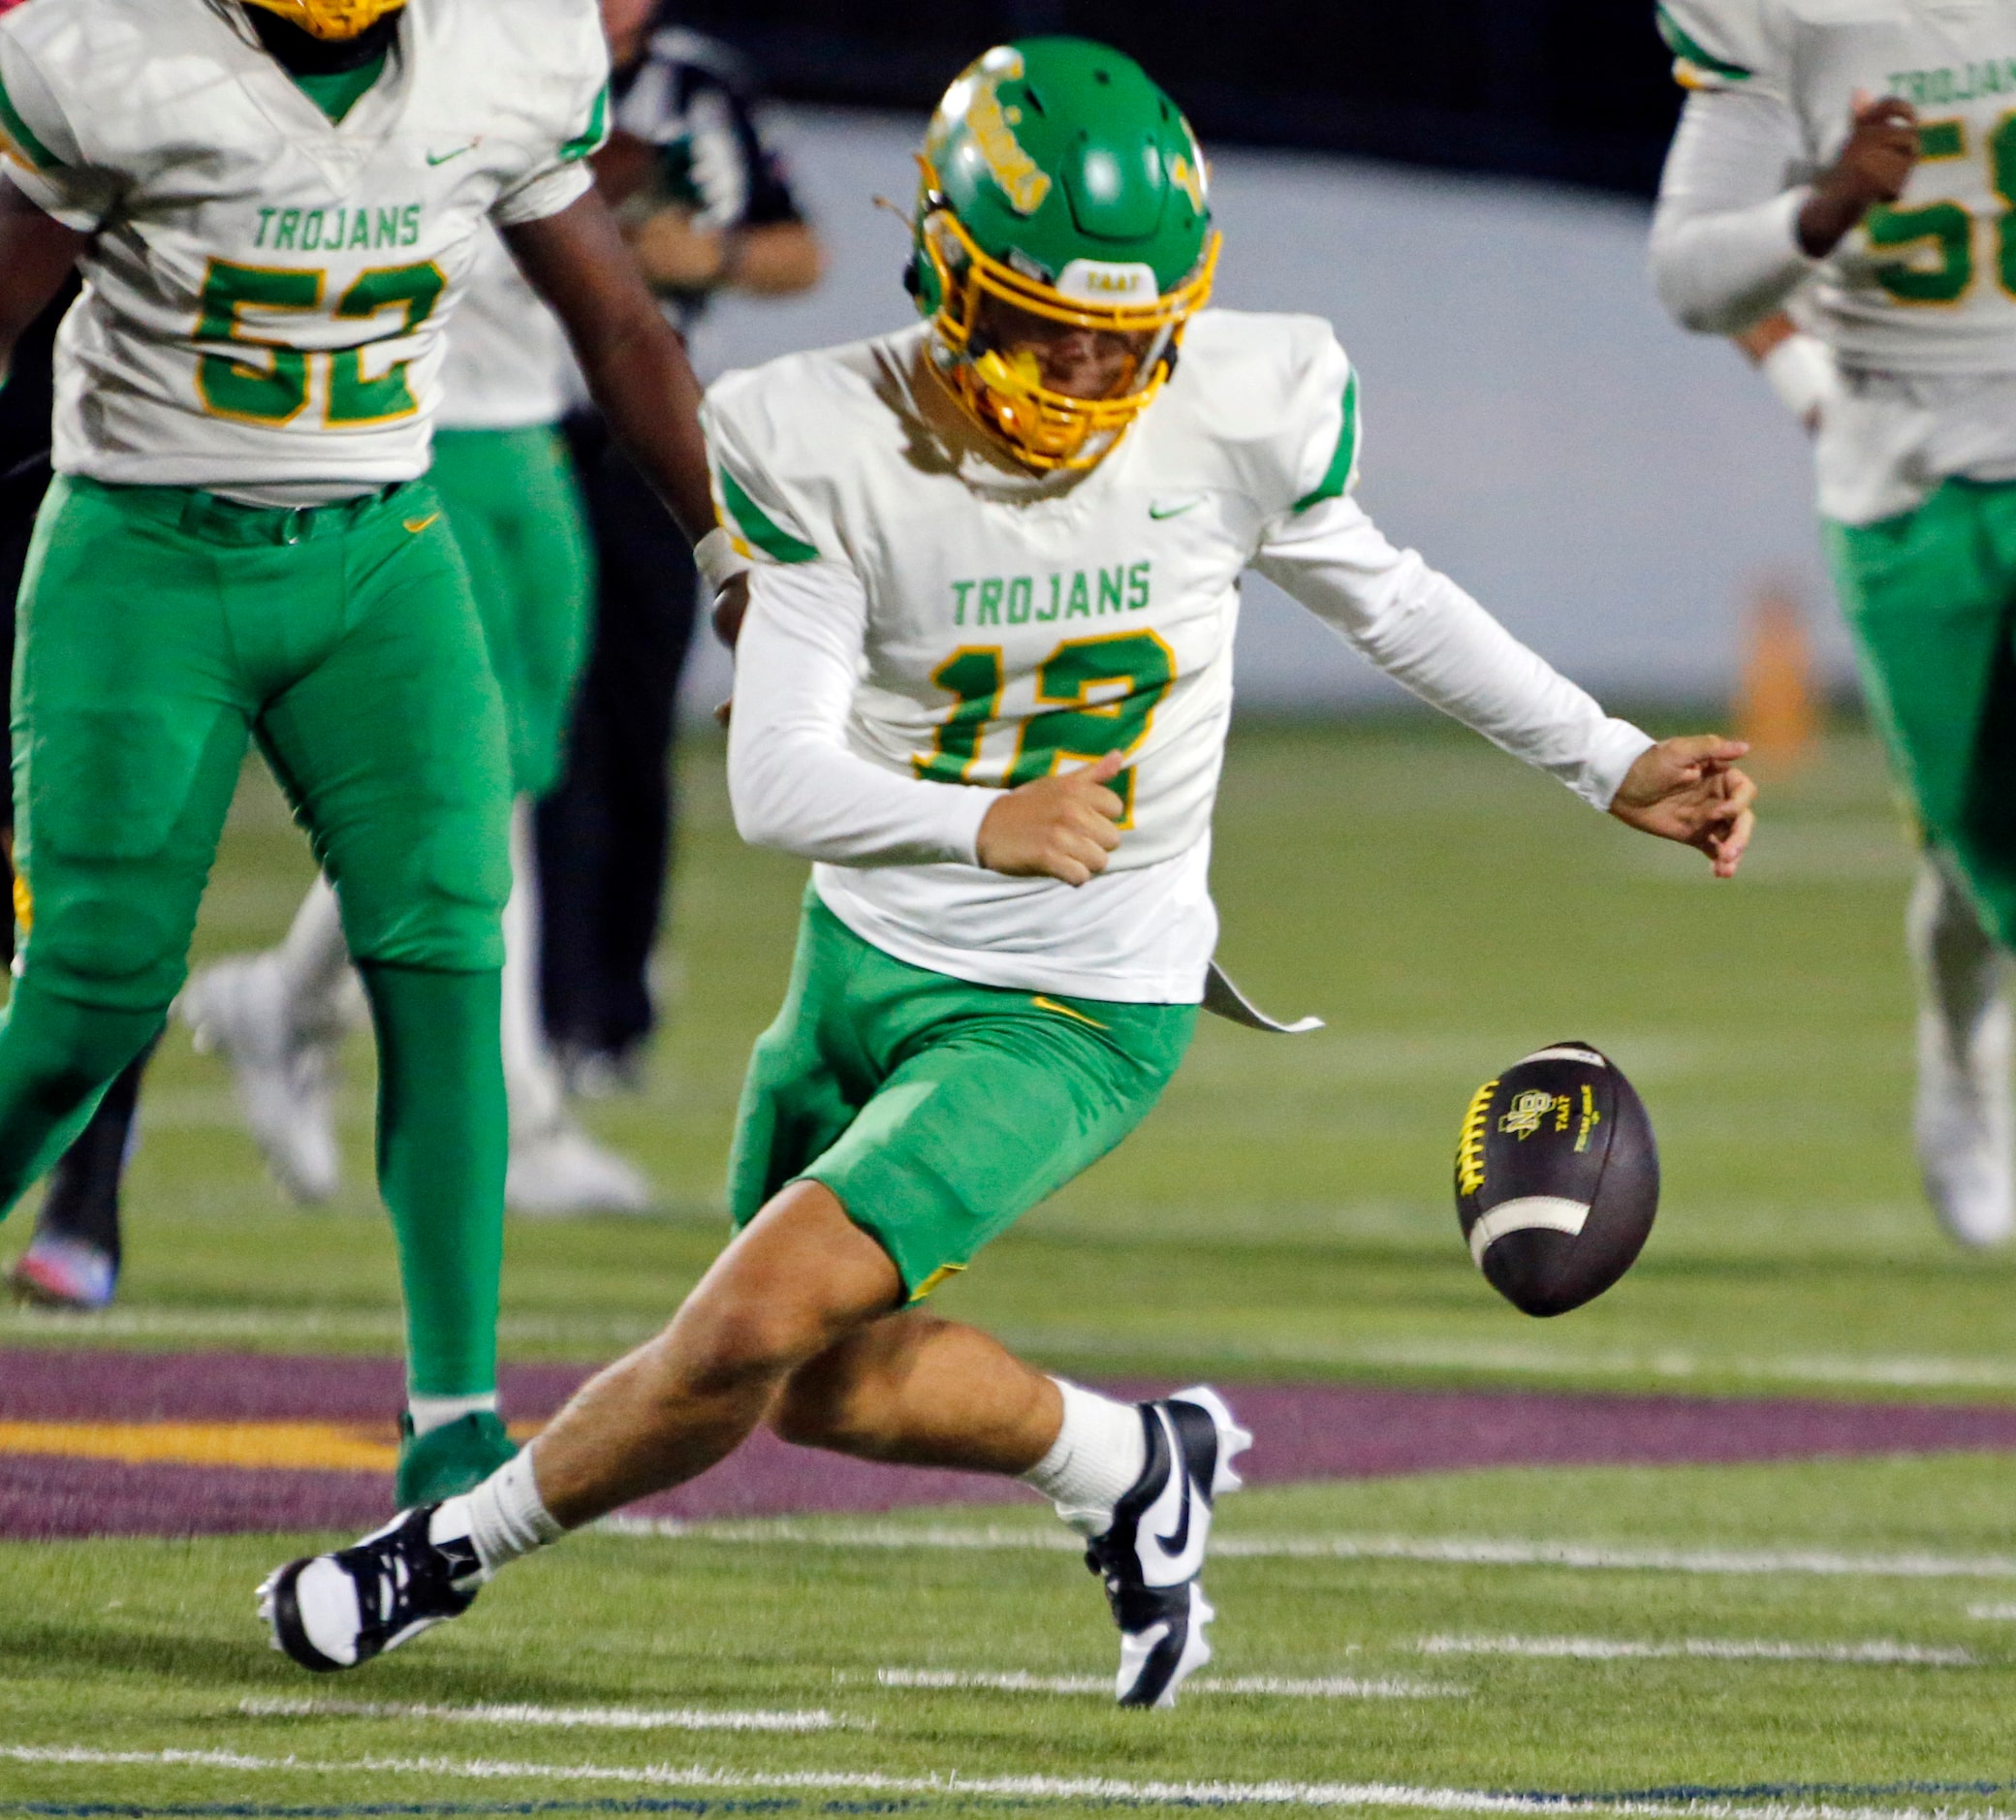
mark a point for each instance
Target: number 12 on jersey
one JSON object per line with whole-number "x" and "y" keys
{"x": 1093, "y": 695}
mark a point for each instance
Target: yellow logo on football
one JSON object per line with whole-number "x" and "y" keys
{"x": 1527, "y": 1111}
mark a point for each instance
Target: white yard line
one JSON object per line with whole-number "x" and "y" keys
{"x": 1324, "y": 1687}
{"x": 1451, "y": 1550}
{"x": 593, "y": 1718}
{"x": 1205, "y": 1794}
{"x": 2001, "y": 1614}
{"x": 1713, "y": 1648}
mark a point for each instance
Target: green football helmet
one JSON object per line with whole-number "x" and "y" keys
{"x": 1059, "y": 180}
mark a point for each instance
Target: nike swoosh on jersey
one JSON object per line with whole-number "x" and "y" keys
{"x": 1159, "y": 513}
{"x": 418, "y": 525}
{"x": 447, "y": 157}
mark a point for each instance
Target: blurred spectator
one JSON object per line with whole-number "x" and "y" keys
{"x": 708, "y": 207}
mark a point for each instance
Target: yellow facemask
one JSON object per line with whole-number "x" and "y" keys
{"x": 332, "y": 21}
{"x": 1005, "y": 393}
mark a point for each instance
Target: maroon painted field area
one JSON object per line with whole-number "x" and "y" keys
{"x": 1302, "y": 1432}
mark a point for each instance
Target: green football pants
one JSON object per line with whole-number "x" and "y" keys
{"x": 160, "y": 630}
{"x": 1930, "y": 598}
{"x": 938, "y": 1113}
{"x": 516, "y": 508}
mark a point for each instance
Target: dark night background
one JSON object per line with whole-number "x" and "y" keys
{"x": 1572, "y": 90}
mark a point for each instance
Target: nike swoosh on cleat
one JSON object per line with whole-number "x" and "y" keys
{"x": 418, "y": 525}
{"x": 1159, "y": 513}
{"x": 447, "y": 157}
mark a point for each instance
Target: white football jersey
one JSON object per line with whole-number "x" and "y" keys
{"x": 1928, "y": 286}
{"x": 1000, "y": 626}
{"x": 1112, "y": 594}
{"x": 508, "y": 365}
{"x": 267, "y": 292}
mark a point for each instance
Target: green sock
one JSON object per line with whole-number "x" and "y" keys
{"x": 441, "y": 1144}
{"x": 57, "y": 1057}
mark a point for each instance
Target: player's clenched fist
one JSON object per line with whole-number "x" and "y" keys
{"x": 1874, "y": 167}
{"x": 1061, "y": 827}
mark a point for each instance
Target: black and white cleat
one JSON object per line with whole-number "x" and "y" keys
{"x": 338, "y": 1611}
{"x": 1151, "y": 1558}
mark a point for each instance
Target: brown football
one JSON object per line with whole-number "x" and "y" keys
{"x": 1557, "y": 1178}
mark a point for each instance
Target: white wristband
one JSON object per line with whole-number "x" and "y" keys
{"x": 1801, "y": 370}
{"x": 718, "y": 561}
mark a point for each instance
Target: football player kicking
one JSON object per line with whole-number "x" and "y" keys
{"x": 275, "y": 204}
{"x": 1867, "y": 163}
{"x": 984, "y": 681}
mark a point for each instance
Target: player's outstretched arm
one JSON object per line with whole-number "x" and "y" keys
{"x": 1689, "y": 790}
{"x": 37, "y": 254}
{"x": 634, "y": 361}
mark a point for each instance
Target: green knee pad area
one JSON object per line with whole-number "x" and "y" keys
{"x": 57, "y": 1057}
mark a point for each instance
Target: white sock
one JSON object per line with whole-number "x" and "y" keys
{"x": 503, "y": 1517}
{"x": 429, "y": 1413}
{"x": 1098, "y": 1453}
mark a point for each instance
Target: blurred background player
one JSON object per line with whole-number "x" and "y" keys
{"x": 707, "y": 207}
{"x": 984, "y": 684}
{"x": 503, "y": 473}
{"x": 72, "y": 1260}
{"x": 237, "y": 544}
{"x": 1802, "y": 165}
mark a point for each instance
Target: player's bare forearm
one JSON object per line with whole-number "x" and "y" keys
{"x": 635, "y": 362}
{"x": 37, "y": 254}
{"x": 777, "y": 259}
{"x": 1689, "y": 790}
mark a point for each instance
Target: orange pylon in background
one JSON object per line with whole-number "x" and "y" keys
{"x": 1775, "y": 708}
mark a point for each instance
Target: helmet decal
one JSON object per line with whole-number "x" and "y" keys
{"x": 993, "y": 126}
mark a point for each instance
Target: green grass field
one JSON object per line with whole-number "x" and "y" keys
{"x": 1285, "y": 1214}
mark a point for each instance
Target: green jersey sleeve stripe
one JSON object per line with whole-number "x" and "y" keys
{"x": 22, "y": 135}
{"x": 770, "y": 538}
{"x": 593, "y": 134}
{"x": 1690, "y": 50}
{"x": 1338, "y": 476}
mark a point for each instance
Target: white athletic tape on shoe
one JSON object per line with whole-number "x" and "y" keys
{"x": 1548, "y": 1212}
